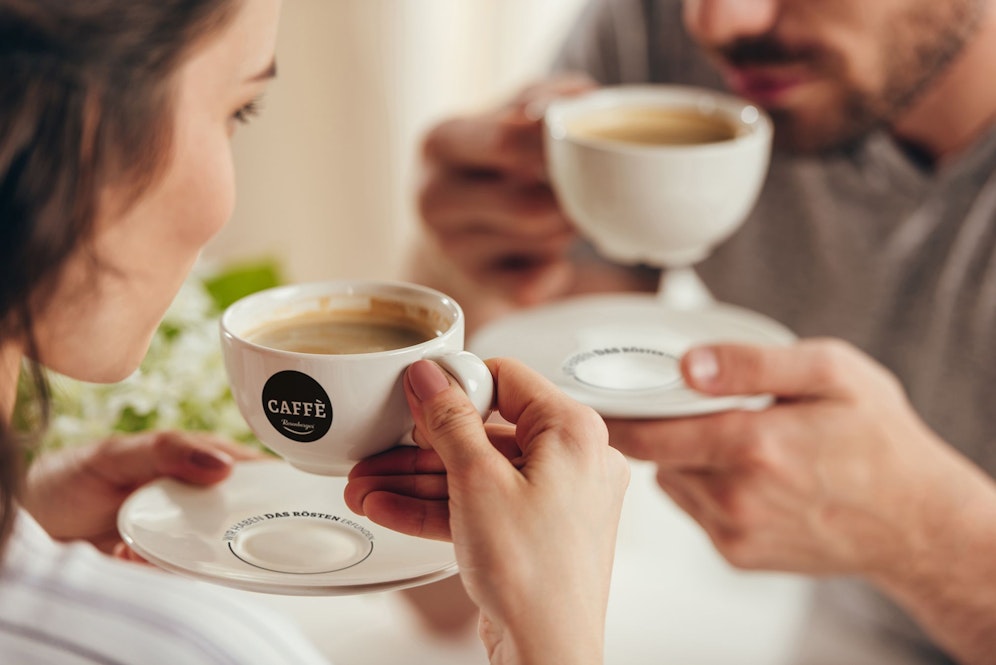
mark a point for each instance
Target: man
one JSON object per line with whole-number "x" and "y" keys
{"x": 877, "y": 226}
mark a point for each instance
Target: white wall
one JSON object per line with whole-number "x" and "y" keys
{"x": 326, "y": 176}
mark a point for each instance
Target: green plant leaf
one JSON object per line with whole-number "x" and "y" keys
{"x": 130, "y": 421}
{"x": 240, "y": 280}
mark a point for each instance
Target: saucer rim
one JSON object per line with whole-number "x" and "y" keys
{"x": 625, "y": 406}
{"x": 272, "y": 587}
{"x": 286, "y": 583}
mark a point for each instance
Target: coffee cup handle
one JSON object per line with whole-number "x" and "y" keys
{"x": 474, "y": 377}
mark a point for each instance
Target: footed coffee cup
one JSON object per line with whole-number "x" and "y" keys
{"x": 658, "y": 174}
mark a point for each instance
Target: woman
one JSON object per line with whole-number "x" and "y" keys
{"x": 115, "y": 122}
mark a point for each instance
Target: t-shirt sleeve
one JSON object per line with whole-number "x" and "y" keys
{"x": 608, "y": 42}
{"x": 635, "y": 41}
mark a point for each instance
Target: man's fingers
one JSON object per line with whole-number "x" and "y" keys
{"x": 506, "y": 140}
{"x": 675, "y": 486}
{"x": 529, "y": 285}
{"x": 497, "y": 253}
{"x": 534, "y": 100}
{"x": 810, "y": 368}
{"x": 453, "y": 201}
{"x": 705, "y": 442}
{"x": 694, "y": 492}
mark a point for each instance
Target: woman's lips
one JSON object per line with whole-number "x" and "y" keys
{"x": 767, "y": 86}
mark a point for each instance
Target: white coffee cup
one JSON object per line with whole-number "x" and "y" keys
{"x": 323, "y": 412}
{"x": 666, "y": 205}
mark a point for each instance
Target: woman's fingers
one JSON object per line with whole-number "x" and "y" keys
{"x": 408, "y": 515}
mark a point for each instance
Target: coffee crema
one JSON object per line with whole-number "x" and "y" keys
{"x": 339, "y": 332}
{"x": 652, "y": 126}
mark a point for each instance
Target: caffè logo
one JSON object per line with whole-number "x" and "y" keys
{"x": 297, "y": 406}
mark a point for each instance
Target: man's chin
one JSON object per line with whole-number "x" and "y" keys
{"x": 795, "y": 134}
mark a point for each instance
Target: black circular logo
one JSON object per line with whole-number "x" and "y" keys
{"x": 297, "y": 406}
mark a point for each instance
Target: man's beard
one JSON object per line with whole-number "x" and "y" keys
{"x": 924, "y": 41}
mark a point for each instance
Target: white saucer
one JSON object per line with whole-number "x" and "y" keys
{"x": 272, "y": 528}
{"x": 620, "y": 353}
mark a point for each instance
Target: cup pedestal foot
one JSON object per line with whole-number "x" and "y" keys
{"x": 681, "y": 288}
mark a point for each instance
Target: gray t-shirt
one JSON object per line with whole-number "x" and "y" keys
{"x": 860, "y": 244}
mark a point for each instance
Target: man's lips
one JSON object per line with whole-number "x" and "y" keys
{"x": 767, "y": 85}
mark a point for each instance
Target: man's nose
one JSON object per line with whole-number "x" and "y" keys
{"x": 720, "y": 22}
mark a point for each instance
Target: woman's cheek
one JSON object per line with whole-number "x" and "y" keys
{"x": 207, "y": 197}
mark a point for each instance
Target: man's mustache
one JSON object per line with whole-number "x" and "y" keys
{"x": 767, "y": 51}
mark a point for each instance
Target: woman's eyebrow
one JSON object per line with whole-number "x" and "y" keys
{"x": 268, "y": 73}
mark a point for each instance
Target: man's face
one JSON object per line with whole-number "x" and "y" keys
{"x": 828, "y": 71}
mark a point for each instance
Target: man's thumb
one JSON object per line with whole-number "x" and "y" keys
{"x": 811, "y": 368}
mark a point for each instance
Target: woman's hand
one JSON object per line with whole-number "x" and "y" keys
{"x": 531, "y": 507}
{"x": 75, "y": 493}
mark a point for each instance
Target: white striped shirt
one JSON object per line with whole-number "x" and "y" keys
{"x": 72, "y": 605}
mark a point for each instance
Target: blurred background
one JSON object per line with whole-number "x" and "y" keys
{"x": 326, "y": 180}
{"x": 326, "y": 174}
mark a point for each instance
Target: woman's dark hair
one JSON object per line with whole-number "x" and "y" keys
{"x": 86, "y": 92}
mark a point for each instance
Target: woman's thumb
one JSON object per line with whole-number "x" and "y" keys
{"x": 445, "y": 418}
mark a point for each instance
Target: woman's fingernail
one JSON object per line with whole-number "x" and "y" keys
{"x": 210, "y": 460}
{"x": 427, "y": 379}
{"x": 703, "y": 366}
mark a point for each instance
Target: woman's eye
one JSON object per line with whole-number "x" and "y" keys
{"x": 248, "y": 111}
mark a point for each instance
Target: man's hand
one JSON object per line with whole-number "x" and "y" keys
{"x": 839, "y": 476}
{"x": 486, "y": 202}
